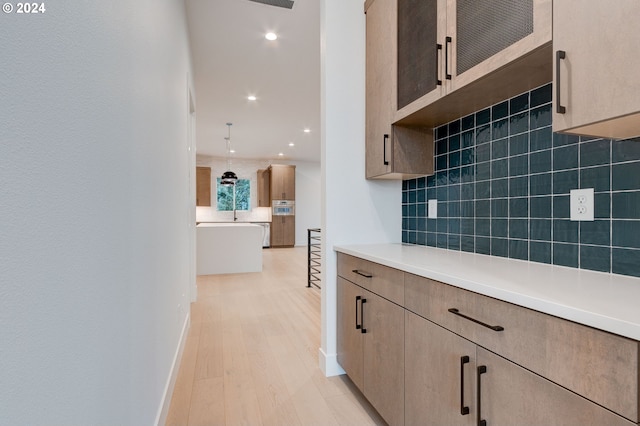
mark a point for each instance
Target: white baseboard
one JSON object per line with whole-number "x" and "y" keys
{"x": 329, "y": 364}
{"x": 163, "y": 411}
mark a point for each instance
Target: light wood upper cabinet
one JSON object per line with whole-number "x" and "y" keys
{"x": 282, "y": 182}
{"x": 264, "y": 180}
{"x": 597, "y": 81}
{"x": 392, "y": 152}
{"x": 486, "y": 52}
{"x": 203, "y": 186}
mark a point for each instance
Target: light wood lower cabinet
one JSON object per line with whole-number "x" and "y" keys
{"x": 371, "y": 348}
{"x": 283, "y": 231}
{"x": 487, "y": 363}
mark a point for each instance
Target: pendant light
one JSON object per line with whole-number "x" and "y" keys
{"x": 228, "y": 178}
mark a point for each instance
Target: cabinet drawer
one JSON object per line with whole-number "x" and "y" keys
{"x": 598, "y": 365}
{"x": 382, "y": 280}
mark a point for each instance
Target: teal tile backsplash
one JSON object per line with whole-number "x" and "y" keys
{"x": 502, "y": 182}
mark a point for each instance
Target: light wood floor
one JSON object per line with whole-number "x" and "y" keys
{"x": 251, "y": 356}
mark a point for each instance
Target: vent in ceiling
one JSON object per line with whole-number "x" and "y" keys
{"x": 287, "y": 4}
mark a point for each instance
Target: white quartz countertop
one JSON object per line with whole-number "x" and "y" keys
{"x": 605, "y": 301}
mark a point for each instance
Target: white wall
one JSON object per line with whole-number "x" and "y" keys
{"x": 354, "y": 210}
{"x": 307, "y": 191}
{"x": 94, "y": 210}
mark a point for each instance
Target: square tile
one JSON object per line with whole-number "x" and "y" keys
{"x": 500, "y": 188}
{"x": 595, "y": 258}
{"x": 500, "y": 247}
{"x": 626, "y": 205}
{"x": 442, "y": 162}
{"x": 432, "y": 239}
{"x": 499, "y": 168}
{"x": 442, "y": 225}
{"x": 500, "y": 207}
{"x": 453, "y": 242}
{"x": 442, "y": 194}
{"x": 454, "y": 193}
{"x": 625, "y": 261}
{"x": 421, "y": 225}
{"x": 595, "y": 153}
{"x": 597, "y": 232}
{"x": 597, "y": 178}
{"x": 539, "y": 252}
{"x": 625, "y": 176}
{"x": 483, "y": 134}
{"x": 442, "y": 132}
{"x": 454, "y": 209}
{"x": 499, "y": 228}
{"x": 421, "y": 196}
{"x": 625, "y": 150}
{"x": 468, "y": 122}
{"x": 540, "y": 117}
{"x": 442, "y": 178}
{"x": 540, "y": 184}
{"x": 411, "y": 196}
{"x": 468, "y": 156}
{"x": 519, "y": 165}
{"x": 519, "y": 123}
{"x": 454, "y": 159}
{"x": 454, "y": 127}
{"x": 519, "y": 186}
{"x": 442, "y": 240}
{"x": 483, "y": 208}
{"x": 467, "y": 226}
{"x": 468, "y": 173}
{"x": 565, "y": 231}
{"x": 431, "y": 181}
{"x": 602, "y": 206}
{"x": 626, "y": 233}
{"x": 562, "y": 207}
{"x": 519, "y": 144}
{"x": 483, "y": 116}
{"x": 519, "y": 228}
{"x": 467, "y": 139}
{"x": 565, "y": 158}
{"x": 467, "y": 191}
{"x": 540, "y": 161}
{"x": 467, "y": 208}
{"x": 483, "y": 245}
{"x": 540, "y": 207}
{"x": 541, "y": 139}
{"x": 454, "y": 226}
{"x": 518, "y": 207}
{"x": 441, "y": 146}
{"x": 564, "y": 182}
{"x": 467, "y": 244}
{"x": 519, "y": 249}
{"x": 483, "y": 152}
{"x": 483, "y": 189}
{"x": 421, "y": 210}
{"x": 519, "y": 103}
{"x": 541, "y": 95}
{"x": 540, "y": 229}
{"x": 500, "y": 129}
{"x": 500, "y": 110}
{"x": 483, "y": 227}
{"x": 499, "y": 148}
{"x": 454, "y": 142}
{"x": 454, "y": 175}
{"x": 483, "y": 171}
{"x": 422, "y": 182}
{"x": 565, "y": 255}
{"x": 421, "y": 238}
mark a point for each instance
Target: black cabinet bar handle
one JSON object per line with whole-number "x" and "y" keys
{"x": 463, "y": 410}
{"x": 560, "y": 54}
{"x": 438, "y": 51}
{"x": 384, "y": 150}
{"x": 362, "y": 302}
{"x": 362, "y": 273}
{"x": 481, "y": 370}
{"x": 446, "y": 58}
{"x": 357, "y": 325}
{"x": 492, "y": 327}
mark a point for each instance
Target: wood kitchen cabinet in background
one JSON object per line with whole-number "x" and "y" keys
{"x": 282, "y": 182}
{"x": 598, "y": 80}
{"x": 263, "y": 180}
{"x": 203, "y": 186}
{"x": 283, "y": 231}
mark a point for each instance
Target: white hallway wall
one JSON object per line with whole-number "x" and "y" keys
{"x": 307, "y": 188}
{"x": 94, "y": 210}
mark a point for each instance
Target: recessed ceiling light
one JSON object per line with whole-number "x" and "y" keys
{"x": 271, "y": 36}
{"x": 292, "y": 144}
{"x": 307, "y": 130}
{"x": 233, "y": 151}
{"x": 251, "y": 97}
{"x": 281, "y": 154}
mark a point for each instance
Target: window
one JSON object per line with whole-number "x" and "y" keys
{"x": 225, "y": 195}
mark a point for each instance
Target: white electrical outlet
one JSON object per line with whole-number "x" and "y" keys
{"x": 433, "y": 209}
{"x": 581, "y": 201}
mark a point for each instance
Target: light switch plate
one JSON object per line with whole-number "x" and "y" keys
{"x": 581, "y": 202}
{"x": 433, "y": 209}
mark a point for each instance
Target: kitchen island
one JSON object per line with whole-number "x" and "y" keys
{"x": 228, "y": 248}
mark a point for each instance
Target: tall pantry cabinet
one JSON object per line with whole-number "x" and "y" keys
{"x": 278, "y": 182}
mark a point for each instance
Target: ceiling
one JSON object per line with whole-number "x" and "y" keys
{"x": 232, "y": 60}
